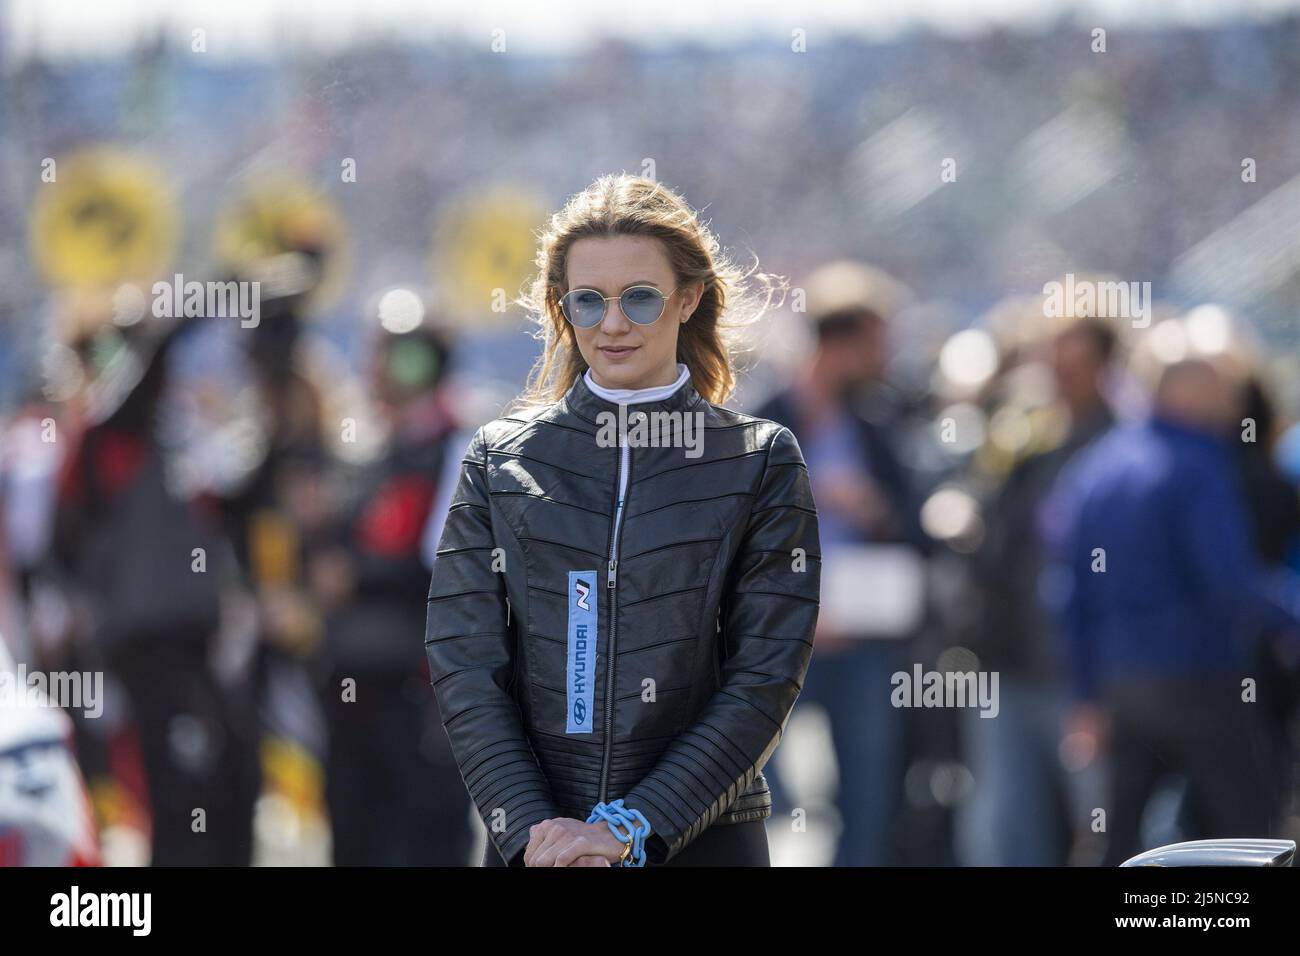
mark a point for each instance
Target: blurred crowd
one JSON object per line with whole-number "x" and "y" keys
{"x": 1104, "y": 512}
{"x": 1101, "y": 509}
{"x": 259, "y": 621}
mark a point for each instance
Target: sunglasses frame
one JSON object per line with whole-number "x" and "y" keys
{"x": 606, "y": 299}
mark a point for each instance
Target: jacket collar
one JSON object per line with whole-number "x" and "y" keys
{"x": 587, "y": 405}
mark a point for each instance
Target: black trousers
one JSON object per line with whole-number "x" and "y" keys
{"x": 198, "y": 742}
{"x": 730, "y": 844}
{"x": 1201, "y": 730}
{"x": 394, "y": 794}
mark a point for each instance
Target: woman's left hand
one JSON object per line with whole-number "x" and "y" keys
{"x": 564, "y": 842}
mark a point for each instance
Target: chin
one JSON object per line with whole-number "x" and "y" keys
{"x": 617, "y": 376}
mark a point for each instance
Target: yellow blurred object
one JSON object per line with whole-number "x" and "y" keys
{"x": 273, "y": 549}
{"x": 282, "y": 213}
{"x": 292, "y": 620}
{"x": 484, "y": 249}
{"x": 114, "y": 805}
{"x": 290, "y": 771}
{"x": 1037, "y": 430}
{"x": 107, "y": 217}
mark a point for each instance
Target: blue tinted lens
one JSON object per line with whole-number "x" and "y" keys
{"x": 584, "y": 308}
{"x": 642, "y": 304}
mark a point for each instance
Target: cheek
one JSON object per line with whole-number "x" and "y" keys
{"x": 663, "y": 334}
{"x": 582, "y": 340}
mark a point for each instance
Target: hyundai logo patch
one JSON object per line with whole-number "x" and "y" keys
{"x": 580, "y": 669}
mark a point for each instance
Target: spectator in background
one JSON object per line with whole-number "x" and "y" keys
{"x": 1018, "y": 815}
{"x": 1165, "y": 597}
{"x": 838, "y": 408}
{"x": 276, "y": 511}
{"x": 1274, "y": 507}
{"x": 393, "y": 789}
{"x": 150, "y": 568}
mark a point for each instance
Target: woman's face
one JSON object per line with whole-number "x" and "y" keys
{"x": 620, "y": 353}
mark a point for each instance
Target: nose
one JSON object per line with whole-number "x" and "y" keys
{"x": 614, "y": 321}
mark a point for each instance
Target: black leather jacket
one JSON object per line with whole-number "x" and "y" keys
{"x": 580, "y": 655}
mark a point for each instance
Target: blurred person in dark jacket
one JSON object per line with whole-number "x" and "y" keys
{"x": 1164, "y": 605}
{"x": 393, "y": 789}
{"x": 1273, "y": 503}
{"x": 149, "y": 568}
{"x": 276, "y": 508}
{"x": 1019, "y": 812}
{"x": 842, "y": 413}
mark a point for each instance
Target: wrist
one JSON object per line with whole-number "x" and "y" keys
{"x": 611, "y": 847}
{"x": 627, "y": 826}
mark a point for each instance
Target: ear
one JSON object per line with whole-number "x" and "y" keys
{"x": 690, "y": 300}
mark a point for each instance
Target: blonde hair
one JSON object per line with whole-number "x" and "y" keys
{"x": 626, "y": 205}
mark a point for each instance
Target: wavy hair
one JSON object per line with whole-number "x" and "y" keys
{"x": 626, "y": 205}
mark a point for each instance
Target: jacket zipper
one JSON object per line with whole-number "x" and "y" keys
{"x": 611, "y": 586}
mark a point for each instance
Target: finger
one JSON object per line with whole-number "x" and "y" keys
{"x": 549, "y": 847}
{"x": 532, "y": 843}
{"x": 590, "y": 860}
{"x": 571, "y": 850}
{"x": 536, "y": 836}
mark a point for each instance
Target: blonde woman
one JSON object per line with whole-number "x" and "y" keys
{"x": 624, "y": 596}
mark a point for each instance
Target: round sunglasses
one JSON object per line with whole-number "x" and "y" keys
{"x": 642, "y": 304}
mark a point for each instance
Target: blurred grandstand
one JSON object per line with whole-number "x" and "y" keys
{"x": 1128, "y": 161}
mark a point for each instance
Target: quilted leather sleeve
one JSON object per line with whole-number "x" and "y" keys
{"x": 769, "y": 615}
{"x": 471, "y": 651}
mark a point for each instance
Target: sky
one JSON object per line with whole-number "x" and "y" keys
{"x": 257, "y": 28}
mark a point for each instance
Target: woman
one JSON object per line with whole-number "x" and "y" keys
{"x": 625, "y": 593}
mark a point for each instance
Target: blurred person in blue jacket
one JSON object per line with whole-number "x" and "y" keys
{"x": 1166, "y": 597}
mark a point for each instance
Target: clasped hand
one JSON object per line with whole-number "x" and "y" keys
{"x": 563, "y": 841}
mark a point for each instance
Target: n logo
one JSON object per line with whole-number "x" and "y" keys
{"x": 584, "y": 590}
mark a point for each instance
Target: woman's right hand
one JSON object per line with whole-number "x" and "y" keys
{"x": 563, "y": 841}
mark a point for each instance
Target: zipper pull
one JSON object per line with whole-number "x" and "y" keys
{"x": 612, "y": 576}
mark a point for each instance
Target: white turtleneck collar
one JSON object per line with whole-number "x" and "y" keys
{"x": 633, "y": 396}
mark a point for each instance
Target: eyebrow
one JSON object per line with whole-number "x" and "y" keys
{"x": 630, "y": 285}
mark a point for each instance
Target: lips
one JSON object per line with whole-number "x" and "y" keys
{"x": 619, "y": 351}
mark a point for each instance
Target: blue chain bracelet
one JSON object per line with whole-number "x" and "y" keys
{"x": 635, "y": 828}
